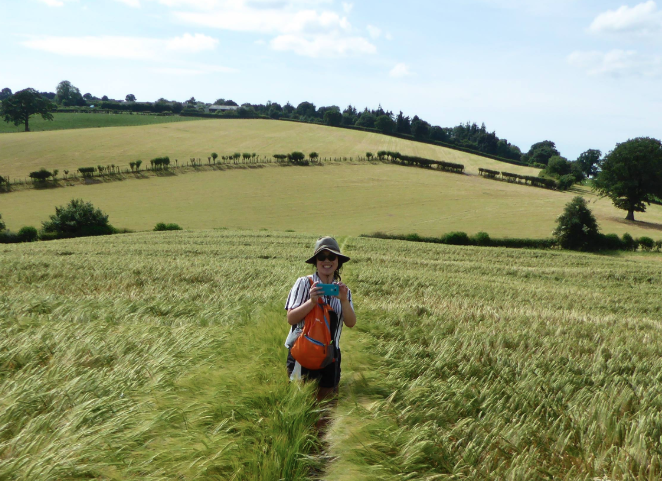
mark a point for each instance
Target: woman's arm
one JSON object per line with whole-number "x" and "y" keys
{"x": 295, "y": 316}
{"x": 348, "y": 314}
{"x": 298, "y": 314}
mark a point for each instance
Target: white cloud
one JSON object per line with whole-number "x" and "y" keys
{"x": 537, "y": 7}
{"x": 642, "y": 19}
{"x": 617, "y": 63}
{"x": 400, "y": 70}
{"x": 298, "y": 26}
{"x": 347, "y": 7}
{"x": 194, "y": 70}
{"x": 374, "y": 32}
{"x": 191, "y": 43}
{"x": 53, "y": 3}
{"x": 130, "y": 3}
{"x": 199, "y": 4}
{"x": 323, "y": 45}
{"x": 134, "y": 48}
{"x": 269, "y": 21}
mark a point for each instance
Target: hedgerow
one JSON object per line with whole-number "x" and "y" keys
{"x": 461, "y": 238}
{"x": 162, "y": 226}
{"x": 603, "y": 242}
{"x": 516, "y": 178}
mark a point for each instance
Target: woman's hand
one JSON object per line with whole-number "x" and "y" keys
{"x": 343, "y": 291}
{"x": 315, "y": 293}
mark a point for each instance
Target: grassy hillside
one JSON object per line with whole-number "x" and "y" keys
{"x": 21, "y": 154}
{"x": 357, "y": 199}
{"x": 66, "y": 121}
{"x": 159, "y": 355}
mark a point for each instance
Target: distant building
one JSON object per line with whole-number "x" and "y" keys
{"x": 221, "y": 108}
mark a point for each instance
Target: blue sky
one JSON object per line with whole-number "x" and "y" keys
{"x": 585, "y": 74}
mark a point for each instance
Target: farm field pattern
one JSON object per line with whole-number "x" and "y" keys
{"x": 66, "y": 121}
{"x": 21, "y": 154}
{"x": 360, "y": 199}
{"x": 159, "y": 356}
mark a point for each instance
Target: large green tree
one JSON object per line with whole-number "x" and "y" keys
{"x": 541, "y": 152}
{"x": 4, "y": 93}
{"x": 68, "y": 95}
{"x": 19, "y": 107}
{"x": 631, "y": 174}
{"x": 385, "y": 124}
{"x": 589, "y": 162}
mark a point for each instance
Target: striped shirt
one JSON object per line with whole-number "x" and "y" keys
{"x": 300, "y": 293}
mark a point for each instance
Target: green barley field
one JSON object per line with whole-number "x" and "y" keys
{"x": 66, "y": 121}
{"x": 155, "y": 356}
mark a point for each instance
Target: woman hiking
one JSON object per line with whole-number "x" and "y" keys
{"x": 305, "y": 294}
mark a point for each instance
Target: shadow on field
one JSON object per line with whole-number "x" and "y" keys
{"x": 45, "y": 185}
{"x": 638, "y": 223}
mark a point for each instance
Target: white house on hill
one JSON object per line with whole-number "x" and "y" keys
{"x": 222, "y": 108}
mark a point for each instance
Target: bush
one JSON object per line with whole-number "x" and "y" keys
{"x": 577, "y": 228}
{"x": 646, "y": 243}
{"x": 297, "y": 158}
{"x": 2, "y": 224}
{"x": 78, "y": 219}
{"x": 161, "y": 226}
{"x": 41, "y": 175}
{"x": 456, "y": 239}
{"x": 87, "y": 171}
{"x": 566, "y": 181}
{"x": 7, "y": 237}
{"x": 481, "y": 239}
{"x": 628, "y": 243}
{"x": 558, "y": 165}
{"x": 28, "y": 234}
{"x": 658, "y": 245}
{"x": 610, "y": 242}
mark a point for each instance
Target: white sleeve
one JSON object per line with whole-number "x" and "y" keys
{"x": 299, "y": 294}
{"x": 349, "y": 298}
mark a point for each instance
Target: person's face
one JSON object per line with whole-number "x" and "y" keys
{"x": 326, "y": 266}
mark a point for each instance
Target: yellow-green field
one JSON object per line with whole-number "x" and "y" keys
{"x": 356, "y": 199}
{"x": 155, "y": 356}
{"x": 21, "y": 154}
{"x": 66, "y": 120}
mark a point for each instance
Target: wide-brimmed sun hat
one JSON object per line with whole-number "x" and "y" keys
{"x": 328, "y": 244}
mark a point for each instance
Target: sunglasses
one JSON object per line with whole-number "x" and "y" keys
{"x": 326, "y": 257}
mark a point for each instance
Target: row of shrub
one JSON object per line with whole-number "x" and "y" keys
{"x": 457, "y": 147}
{"x": 463, "y": 239}
{"x": 606, "y": 242}
{"x": 440, "y": 164}
{"x": 417, "y": 161}
{"x": 294, "y": 158}
{"x": 528, "y": 179}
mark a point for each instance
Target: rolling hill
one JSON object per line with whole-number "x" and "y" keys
{"x": 345, "y": 197}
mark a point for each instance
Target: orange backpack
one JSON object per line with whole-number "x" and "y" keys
{"x": 314, "y": 348}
